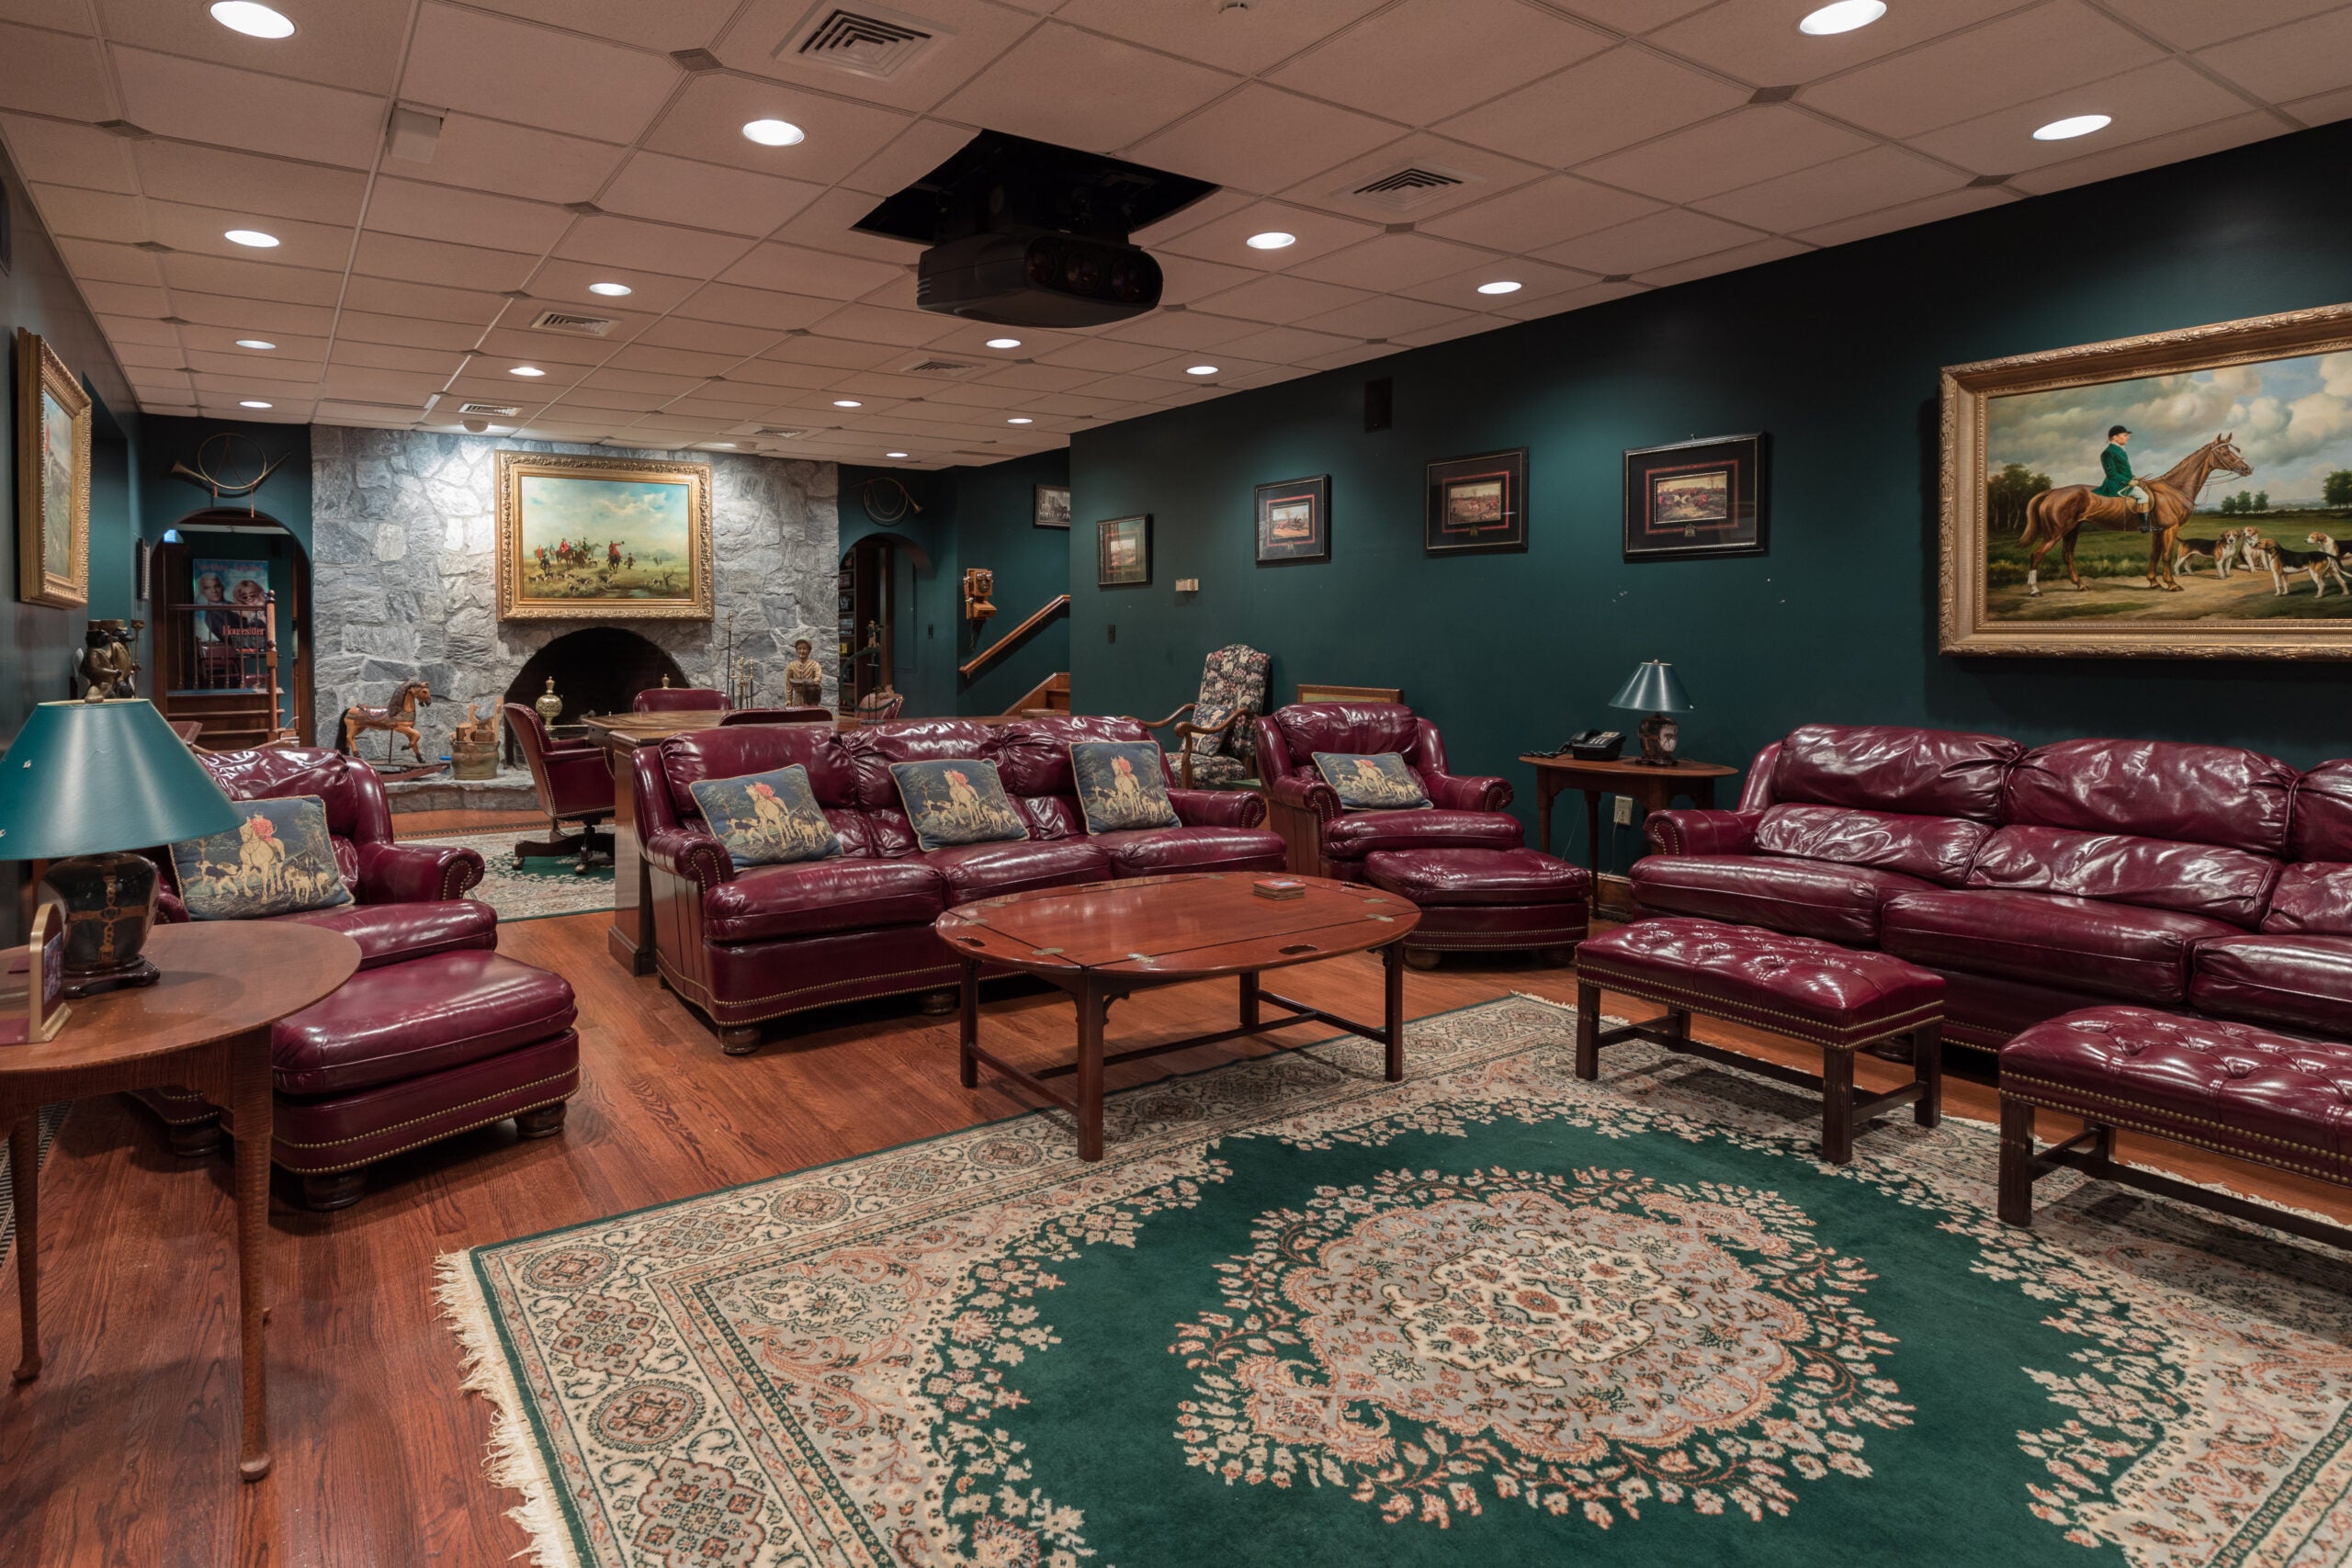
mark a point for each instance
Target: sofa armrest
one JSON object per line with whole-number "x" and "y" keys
{"x": 1701, "y": 832}
{"x": 1303, "y": 791}
{"x": 1450, "y": 792}
{"x": 1217, "y": 808}
{"x": 415, "y": 873}
{"x": 699, "y": 858}
{"x": 169, "y": 910}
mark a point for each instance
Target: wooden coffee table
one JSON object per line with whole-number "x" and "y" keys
{"x": 1112, "y": 939}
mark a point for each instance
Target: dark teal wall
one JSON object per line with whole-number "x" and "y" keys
{"x": 1835, "y": 354}
{"x": 924, "y": 656}
{"x": 165, "y": 498}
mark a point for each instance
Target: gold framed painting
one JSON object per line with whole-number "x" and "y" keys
{"x": 603, "y": 539}
{"x": 2183, "y": 495}
{"x": 52, "y": 478}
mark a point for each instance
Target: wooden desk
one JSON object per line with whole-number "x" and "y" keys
{"x": 1654, "y": 788}
{"x": 204, "y": 1026}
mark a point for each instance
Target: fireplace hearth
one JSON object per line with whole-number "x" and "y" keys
{"x": 596, "y": 669}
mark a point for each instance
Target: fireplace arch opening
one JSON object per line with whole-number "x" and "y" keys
{"x": 596, "y": 669}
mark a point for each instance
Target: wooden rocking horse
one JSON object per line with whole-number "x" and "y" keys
{"x": 398, "y": 717}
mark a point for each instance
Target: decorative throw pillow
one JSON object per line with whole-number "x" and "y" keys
{"x": 277, "y": 860}
{"x": 769, "y": 818}
{"x": 955, "y": 801}
{"x": 1120, "y": 784}
{"x": 1379, "y": 783}
{"x": 1208, "y": 716}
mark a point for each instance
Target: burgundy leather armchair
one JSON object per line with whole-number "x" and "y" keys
{"x": 1464, "y": 813}
{"x": 575, "y": 785}
{"x": 678, "y": 699}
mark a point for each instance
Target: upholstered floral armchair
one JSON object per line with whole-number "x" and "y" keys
{"x": 1216, "y": 746}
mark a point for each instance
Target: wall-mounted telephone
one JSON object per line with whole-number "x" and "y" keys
{"x": 1594, "y": 745}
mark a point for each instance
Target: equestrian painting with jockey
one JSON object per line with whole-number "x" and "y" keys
{"x": 604, "y": 540}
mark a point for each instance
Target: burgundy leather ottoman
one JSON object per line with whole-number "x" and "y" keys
{"x": 414, "y": 1053}
{"x": 1833, "y": 997}
{"x": 2236, "y": 1089}
{"x": 1485, "y": 900}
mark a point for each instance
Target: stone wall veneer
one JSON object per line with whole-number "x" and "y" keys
{"x": 404, "y": 584}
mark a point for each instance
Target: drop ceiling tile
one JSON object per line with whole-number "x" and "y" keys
{"x": 707, "y": 120}
{"x": 77, "y": 155}
{"x": 467, "y": 217}
{"x": 1187, "y": 278}
{"x": 1289, "y": 345}
{"x": 1760, "y": 43}
{"x": 140, "y": 329}
{"x": 900, "y": 386}
{"x": 1261, "y": 138}
{"x": 2194, "y": 23}
{"x": 196, "y": 101}
{"x": 1933, "y": 209}
{"x": 1393, "y": 263}
{"x": 550, "y": 78}
{"x": 1104, "y": 355}
{"x": 1740, "y": 148}
{"x": 1659, "y": 240}
{"x": 707, "y": 337}
{"x": 204, "y": 231}
{"x": 99, "y": 261}
{"x": 765, "y": 371}
{"x": 1424, "y": 60}
{"x": 265, "y": 317}
{"x": 1072, "y": 406}
{"x": 1536, "y": 280}
{"x": 2031, "y": 54}
{"x": 841, "y": 354}
{"x": 368, "y": 416}
{"x": 566, "y": 282}
{"x": 135, "y": 357}
{"x": 653, "y": 247}
{"x": 360, "y": 356}
{"x": 250, "y": 184}
{"x": 2321, "y": 109}
{"x": 1754, "y": 254}
{"x": 671, "y": 25}
{"x": 759, "y": 307}
{"x": 1387, "y": 316}
{"x": 251, "y": 280}
{"x": 707, "y": 195}
{"x": 967, "y": 35}
{"x": 1481, "y": 171}
{"x": 628, "y": 400}
{"x": 1281, "y": 298}
{"x": 674, "y": 361}
{"x": 1192, "y": 214}
{"x": 303, "y": 346}
{"x": 386, "y": 387}
{"x": 1222, "y": 239}
{"x": 54, "y": 73}
{"x": 93, "y": 215}
{"x": 387, "y": 298}
{"x": 1181, "y": 329}
{"x": 795, "y": 269}
{"x": 1042, "y": 378}
{"x": 971, "y": 339}
{"x": 825, "y": 225}
{"x": 1551, "y": 305}
{"x": 438, "y": 261}
{"x": 1612, "y": 100}
{"x": 1549, "y": 211}
{"x": 2107, "y": 162}
{"x": 868, "y": 324}
{"x": 517, "y": 343}
{"x": 2155, "y": 100}
{"x": 1246, "y": 40}
{"x": 1047, "y": 86}
{"x": 512, "y": 160}
{"x": 1354, "y": 354}
{"x": 2291, "y": 62}
{"x": 339, "y": 45}
{"x": 280, "y": 375}
{"x": 1845, "y": 187}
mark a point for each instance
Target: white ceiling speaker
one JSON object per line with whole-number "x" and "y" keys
{"x": 412, "y": 134}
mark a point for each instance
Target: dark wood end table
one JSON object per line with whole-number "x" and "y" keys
{"x": 204, "y": 1026}
{"x": 1655, "y": 788}
{"x": 1110, "y": 940}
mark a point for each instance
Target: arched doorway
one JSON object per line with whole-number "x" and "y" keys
{"x": 869, "y": 611}
{"x": 224, "y": 660}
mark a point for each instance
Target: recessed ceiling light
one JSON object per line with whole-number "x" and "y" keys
{"x": 1500, "y": 286}
{"x": 526, "y": 370}
{"x": 774, "y": 132}
{"x": 252, "y": 19}
{"x": 847, "y": 403}
{"x": 1200, "y": 370}
{"x": 1004, "y": 342}
{"x": 1272, "y": 240}
{"x": 1842, "y": 17}
{"x": 254, "y": 342}
{"x": 254, "y": 403}
{"x": 1019, "y": 420}
{"x": 2073, "y": 126}
{"x": 894, "y": 454}
{"x": 252, "y": 237}
{"x": 613, "y": 289}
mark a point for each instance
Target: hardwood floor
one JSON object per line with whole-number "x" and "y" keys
{"x": 124, "y": 1451}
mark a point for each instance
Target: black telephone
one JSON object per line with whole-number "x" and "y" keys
{"x": 1594, "y": 745}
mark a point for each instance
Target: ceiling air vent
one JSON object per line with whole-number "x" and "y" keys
{"x": 1402, "y": 189}
{"x": 698, "y": 61}
{"x": 774, "y": 434}
{"x": 941, "y": 367}
{"x": 489, "y": 411}
{"x": 865, "y": 42}
{"x": 578, "y": 326}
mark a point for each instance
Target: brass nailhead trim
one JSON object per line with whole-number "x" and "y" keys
{"x": 571, "y": 1073}
{"x": 421, "y": 1143}
{"x": 2064, "y": 1089}
{"x": 1672, "y": 996}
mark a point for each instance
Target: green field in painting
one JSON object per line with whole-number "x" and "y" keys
{"x": 2114, "y": 569}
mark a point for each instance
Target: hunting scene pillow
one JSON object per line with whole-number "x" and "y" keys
{"x": 1120, "y": 785}
{"x": 769, "y": 818}
{"x": 955, "y": 801}
{"x": 1379, "y": 783}
{"x": 278, "y": 861}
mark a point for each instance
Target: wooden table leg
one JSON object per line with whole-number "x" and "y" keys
{"x": 1091, "y": 1004}
{"x": 1836, "y": 1106}
{"x": 249, "y": 1073}
{"x": 967, "y": 1027}
{"x": 24, "y": 1172}
{"x": 2015, "y": 1195}
{"x": 1927, "y": 1070}
{"x": 1392, "y": 962}
{"x": 1592, "y": 840}
{"x": 1588, "y": 1031}
{"x": 1250, "y": 1018}
{"x": 1546, "y": 788}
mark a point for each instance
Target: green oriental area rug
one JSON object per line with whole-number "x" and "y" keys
{"x": 540, "y": 887}
{"x": 1489, "y": 1315}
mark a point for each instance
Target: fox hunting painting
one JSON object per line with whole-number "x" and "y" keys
{"x": 602, "y": 538}
{"x": 2186, "y": 494}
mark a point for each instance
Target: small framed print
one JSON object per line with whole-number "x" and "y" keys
{"x": 1049, "y": 507}
{"x": 1295, "y": 521}
{"x": 1695, "y": 498}
{"x": 1123, "y": 552}
{"x": 42, "y": 961}
{"x": 1476, "y": 504}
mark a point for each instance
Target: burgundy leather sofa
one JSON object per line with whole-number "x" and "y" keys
{"x": 756, "y": 942}
{"x": 438, "y": 1033}
{"x": 2200, "y": 880}
{"x": 1464, "y": 813}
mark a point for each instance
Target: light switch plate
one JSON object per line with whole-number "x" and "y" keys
{"x": 1188, "y": 585}
{"x": 1624, "y": 809}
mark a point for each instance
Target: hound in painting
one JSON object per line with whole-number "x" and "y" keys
{"x": 2222, "y": 552}
{"x": 2320, "y": 565}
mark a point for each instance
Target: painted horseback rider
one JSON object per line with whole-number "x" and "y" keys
{"x": 2115, "y": 462}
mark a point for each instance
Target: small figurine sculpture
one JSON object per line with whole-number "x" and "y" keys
{"x": 473, "y": 746}
{"x": 804, "y": 678}
{"x": 978, "y": 584}
{"x": 108, "y": 663}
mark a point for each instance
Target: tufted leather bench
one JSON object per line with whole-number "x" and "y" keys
{"x": 2235, "y": 1088}
{"x": 1833, "y": 997}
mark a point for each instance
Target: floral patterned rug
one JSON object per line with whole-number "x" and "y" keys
{"x": 540, "y": 887}
{"x": 1489, "y": 1315}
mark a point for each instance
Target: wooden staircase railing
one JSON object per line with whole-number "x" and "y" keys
{"x": 1003, "y": 645}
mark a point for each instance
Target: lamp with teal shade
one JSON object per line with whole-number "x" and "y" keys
{"x": 83, "y": 785}
{"x": 1654, "y": 690}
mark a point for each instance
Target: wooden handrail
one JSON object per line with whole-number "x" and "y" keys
{"x": 988, "y": 654}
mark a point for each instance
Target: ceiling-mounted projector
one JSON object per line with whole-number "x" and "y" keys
{"x": 1028, "y": 235}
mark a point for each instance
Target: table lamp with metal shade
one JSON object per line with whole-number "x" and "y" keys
{"x": 1652, "y": 690}
{"x": 84, "y": 786}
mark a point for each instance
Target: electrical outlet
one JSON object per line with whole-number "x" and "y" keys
{"x": 1624, "y": 809}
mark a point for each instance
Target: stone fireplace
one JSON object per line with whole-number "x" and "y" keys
{"x": 596, "y": 669}
{"x": 404, "y": 580}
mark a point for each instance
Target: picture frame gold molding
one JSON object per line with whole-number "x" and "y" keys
{"x": 697, "y": 604}
{"x": 1967, "y": 391}
{"x": 38, "y": 371}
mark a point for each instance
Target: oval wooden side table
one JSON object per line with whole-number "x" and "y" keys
{"x": 204, "y": 1026}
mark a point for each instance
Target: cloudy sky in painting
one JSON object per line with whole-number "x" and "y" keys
{"x": 643, "y": 517}
{"x": 2292, "y": 418}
